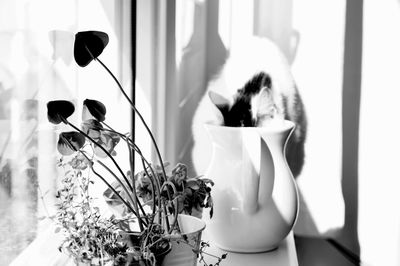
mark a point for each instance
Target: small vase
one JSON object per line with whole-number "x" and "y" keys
{"x": 255, "y": 196}
{"x": 95, "y": 262}
{"x": 184, "y": 250}
{"x": 132, "y": 239}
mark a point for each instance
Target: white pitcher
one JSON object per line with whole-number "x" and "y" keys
{"x": 255, "y": 195}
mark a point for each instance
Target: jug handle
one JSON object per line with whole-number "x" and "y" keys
{"x": 258, "y": 171}
{"x": 251, "y": 154}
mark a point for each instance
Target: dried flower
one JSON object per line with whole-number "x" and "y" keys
{"x": 93, "y": 109}
{"x": 70, "y": 142}
{"x": 59, "y": 110}
{"x": 88, "y": 46}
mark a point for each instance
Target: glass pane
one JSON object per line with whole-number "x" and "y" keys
{"x": 36, "y": 66}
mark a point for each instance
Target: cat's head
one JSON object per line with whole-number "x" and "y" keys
{"x": 252, "y": 105}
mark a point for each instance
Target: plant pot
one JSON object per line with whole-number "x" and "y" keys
{"x": 160, "y": 254}
{"x": 133, "y": 239}
{"x": 95, "y": 262}
{"x": 183, "y": 252}
{"x": 196, "y": 212}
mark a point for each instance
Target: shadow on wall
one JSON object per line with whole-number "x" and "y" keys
{"x": 276, "y": 24}
{"x": 351, "y": 92}
{"x": 273, "y": 19}
{"x": 203, "y": 56}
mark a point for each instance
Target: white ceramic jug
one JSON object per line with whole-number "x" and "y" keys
{"x": 255, "y": 196}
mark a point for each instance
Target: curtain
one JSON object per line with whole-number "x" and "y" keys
{"x": 379, "y": 212}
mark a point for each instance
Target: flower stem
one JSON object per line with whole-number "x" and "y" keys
{"x": 101, "y": 147}
{"x": 130, "y": 197}
{"x": 133, "y": 146}
{"x": 138, "y": 113}
{"x": 110, "y": 186}
{"x": 115, "y": 192}
{"x": 148, "y": 130}
{"x": 133, "y": 179}
{"x": 164, "y": 186}
{"x": 41, "y": 196}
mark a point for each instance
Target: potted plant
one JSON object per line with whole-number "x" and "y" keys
{"x": 92, "y": 238}
{"x": 192, "y": 194}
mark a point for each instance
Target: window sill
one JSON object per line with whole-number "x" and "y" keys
{"x": 44, "y": 251}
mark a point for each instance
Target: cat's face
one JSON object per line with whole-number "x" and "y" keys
{"x": 239, "y": 114}
{"x": 250, "y": 106}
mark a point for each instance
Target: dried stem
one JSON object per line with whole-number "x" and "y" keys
{"x": 138, "y": 113}
{"x": 134, "y": 201}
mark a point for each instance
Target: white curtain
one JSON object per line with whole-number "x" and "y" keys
{"x": 379, "y": 178}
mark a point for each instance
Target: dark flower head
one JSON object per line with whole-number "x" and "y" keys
{"x": 70, "y": 142}
{"x": 88, "y": 46}
{"x": 93, "y": 109}
{"x": 59, "y": 110}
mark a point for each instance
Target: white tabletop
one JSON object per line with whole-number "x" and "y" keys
{"x": 284, "y": 255}
{"x": 43, "y": 251}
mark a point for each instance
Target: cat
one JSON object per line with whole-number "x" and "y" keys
{"x": 253, "y": 87}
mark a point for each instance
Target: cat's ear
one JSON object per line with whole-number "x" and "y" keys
{"x": 262, "y": 104}
{"x": 219, "y": 101}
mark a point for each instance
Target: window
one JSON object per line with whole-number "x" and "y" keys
{"x": 37, "y": 65}
{"x": 180, "y": 45}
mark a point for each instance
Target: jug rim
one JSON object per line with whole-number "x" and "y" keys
{"x": 273, "y": 127}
